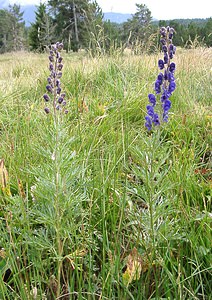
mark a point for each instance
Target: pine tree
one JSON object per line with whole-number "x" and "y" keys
{"x": 11, "y": 29}
{"x": 138, "y": 29}
{"x": 16, "y": 27}
{"x": 41, "y": 32}
{"x": 4, "y": 30}
{"x": 75, "y": 21}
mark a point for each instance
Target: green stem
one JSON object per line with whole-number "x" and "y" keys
{"x": 57, "y": 201}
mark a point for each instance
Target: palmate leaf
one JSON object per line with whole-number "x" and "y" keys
{"x": 4, "y": 179}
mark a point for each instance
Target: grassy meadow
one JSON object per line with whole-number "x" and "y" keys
{"x": 95, "y": 206}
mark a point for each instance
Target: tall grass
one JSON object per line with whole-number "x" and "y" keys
{"x": 122, "y": 196}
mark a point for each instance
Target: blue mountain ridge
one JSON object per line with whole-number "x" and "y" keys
{"x": 29, "y": 14}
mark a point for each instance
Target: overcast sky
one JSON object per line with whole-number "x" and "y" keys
{"x": 172, "y": 9}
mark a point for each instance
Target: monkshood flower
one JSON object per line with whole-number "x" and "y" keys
{"x": 165, "y": 83}
{"x": 53, "y": 88}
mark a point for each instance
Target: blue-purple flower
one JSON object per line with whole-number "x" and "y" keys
{"x": 54, "y": 85}
{"x": 165, "y": 83}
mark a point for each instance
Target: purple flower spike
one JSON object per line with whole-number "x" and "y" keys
{"x": 165, "y": 83}
{"x": 54, "y": 86}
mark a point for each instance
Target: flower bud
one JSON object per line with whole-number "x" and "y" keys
{"x": 46, "y": 109}
{"x": 60, "y": 100}
{"x": 161, "y": 64}
{"x": 60, "y": 46}
{"x": 51, "y": 58}
{"x": 46, "y": 97}
{"x": 51, "y": 67}
{"x": 166, "y": 58}
{"x": 59, "y": 67}
{"x": 60, "y": 59}
{"x": 172, "y": 67}
{"x": 58, "y": 90}
{"x": 49, "y": 88}
{"x": 57, "y": 82}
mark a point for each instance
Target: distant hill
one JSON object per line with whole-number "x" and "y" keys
{"x": 198, "y": 21}
{"x": 117, "y": 17}
{"x": 29, "y": 14}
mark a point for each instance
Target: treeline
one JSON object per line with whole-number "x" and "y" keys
{"x": 79, "y": 24}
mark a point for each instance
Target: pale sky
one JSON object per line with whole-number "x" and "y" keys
{"x": 160, "y": 9}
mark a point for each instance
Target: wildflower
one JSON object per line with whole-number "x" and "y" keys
{"x": 148, "y": 123}
{"x": 54, "y": 85}
{"x": 46, "y": 97}
{"x": 60, "y": 100}
{"x": 165, "y": 82}
{"x": 46, "y": 109}
{"x": 60, "y": 66}
{"x": 160, "y": 78}
{"x": 60, "y": 59}
{"x": 152, "y": 99}
{"x": 161, "y": 64}
{"x": 49, "y": 88}
{"x": 172, "y": 67}
{"x": 157, "y": 87}
{"x": 156, "y": 120}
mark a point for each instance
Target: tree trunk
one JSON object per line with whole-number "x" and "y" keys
{"x": 76, "y": 27}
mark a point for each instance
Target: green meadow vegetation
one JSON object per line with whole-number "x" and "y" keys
{"x": 92, "y": 205}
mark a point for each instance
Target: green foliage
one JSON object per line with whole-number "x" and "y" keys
{"x": 92, "y": 187}
{"x": 138, "y": 30}
{"x": 76, "y": 21}
{"x": 190, "y": 30}
{"x": 79, "y": 24}
{"x": 41, "y": 32}
{"x": 12, "y": 29}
